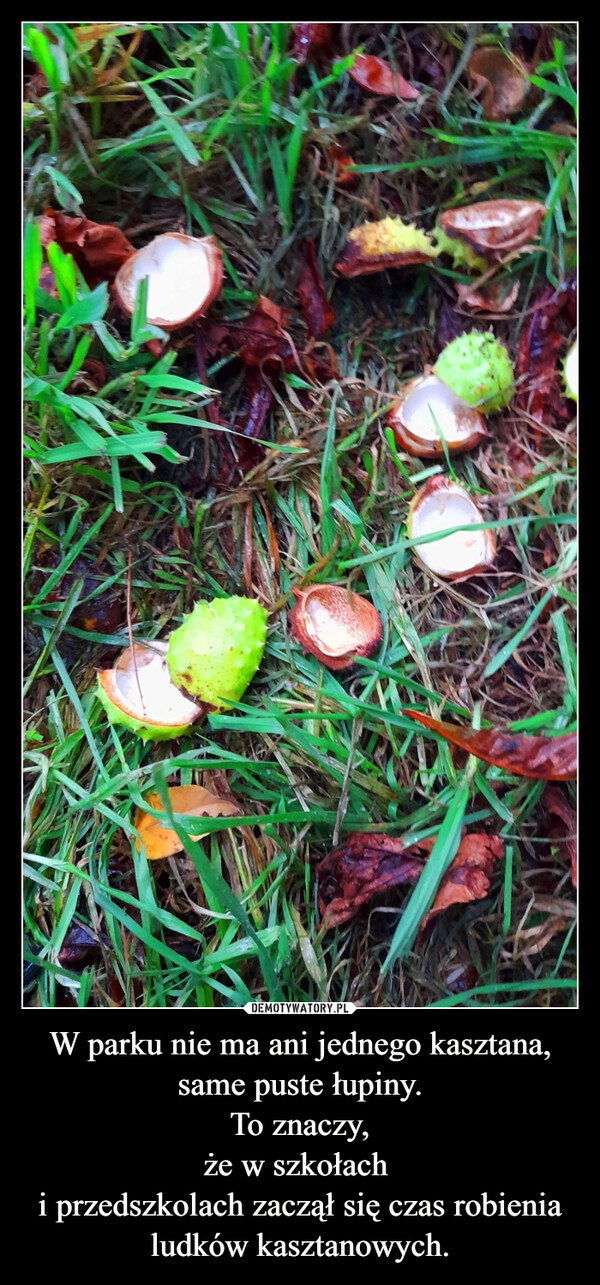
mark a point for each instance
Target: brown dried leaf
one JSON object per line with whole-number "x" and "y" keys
{"x": 468, "y": 877}
{"x": 389, "y": 243}
{"x": 264, "y": 342}
{"x": 536, "y": 371}
{"x": 362, "y": 866}
{"x": 341, "y": 162}
{"x": 547, "y": 758}
{"x": 80, "y": 947}
{"x": 491, "y": 298}
{"x": 555, "y": 802}
{"x": 189, "y": 800}
{"x": 494, "y": 228}
{"x": 370, "y": 863}
{"x": 501, "y": 80}
{"x": 99, "y": 249}
{"x": 377, "y": 76}
{"x": 317, "y": 311}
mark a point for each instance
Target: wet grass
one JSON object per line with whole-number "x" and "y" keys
{"x": 213, "y": 130}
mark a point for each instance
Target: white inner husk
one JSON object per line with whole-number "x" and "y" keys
{"x": 453, "y": 553}
{"x": 161, "y": 701}
{"x": 572, "y": 370}
{"x": 431, "y": 408}
{"x": 179, "y": 277}
{"x": 326, "y": 630}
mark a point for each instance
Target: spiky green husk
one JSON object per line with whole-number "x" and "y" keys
{"x": 461, "y": 252}
{"x": 217, "y": 650}
{"x": 148, "y": 731}
{"x": 477, "y": 368}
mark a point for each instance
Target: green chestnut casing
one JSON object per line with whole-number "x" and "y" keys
{"x": 477, "y": 368}
{"x": 215, "y": 653}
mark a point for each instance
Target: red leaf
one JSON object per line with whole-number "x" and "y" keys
{"x": 377, "y": 76}
{"x": 341, "y": 162}
{"x": 555, "y": 802}
{"x": 369, "y": 863}
{"x": 362, "y": 866}
{"x": 264, "y": 342}
{"x": 539, "y": 346}
{"x": 547, "y": 758}
{"x": 468, "y": 876}
{"x": 99, "y": 249}
{"x": 318, "y": 313}
{"x": 311, "y": 40}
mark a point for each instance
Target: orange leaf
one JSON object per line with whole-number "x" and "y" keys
{"x": 546, "y": 758}
{"x": 377, "y": 76}
{"x": 189, "y": 800}
{"x": 468, "y": 877}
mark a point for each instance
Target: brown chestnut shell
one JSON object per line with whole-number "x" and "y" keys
{"x": 335, "y": 625}
{"x": 204, "y": 259}
{"x": 416, "y": 428}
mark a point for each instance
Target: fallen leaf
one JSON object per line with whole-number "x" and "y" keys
{"x": 91, "y": 372}
{"x": 377, "y": 76}
{"x": 362, "y": 866}
{"x": 188, "y": 800}
{"x": 253, "y": 407}
{"x": 80, "y": 947}
{"x": 554, "y": 801}
{"x": 312, "y": 40}
{"x": 494, "y": 297}
{"x": 468, "y": 876}
{"x": 99, "y": 249}
{"x": 316, "y": 310}
{"x": 370, "y": 863}
{"x": 264, "y": 342}
{"x": 536, "y": 939}
{"x": 341, "y": 162}
{"x": 388, "y": 243}
{"x": 536, "y": 370}
{"x": 500, "y": 79}
{"x": 547, "y": 758}
{"x": 493, "y": 228}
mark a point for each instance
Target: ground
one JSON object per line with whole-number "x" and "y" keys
{"x": 137, "y": 505}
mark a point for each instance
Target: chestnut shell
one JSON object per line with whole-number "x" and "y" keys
{"x": 335, "y": 625}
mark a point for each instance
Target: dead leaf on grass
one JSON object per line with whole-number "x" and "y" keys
{"x": 377, "y": 76}
{"x": 468, "y": 876}
{"x": 555, "y": 802}
{"x": 316, "y": 309}
{"x": 188, "y": 800}
{"x": 370, "y": 863}
{"x": 495, "y": 297}
{"x": 546, "y": 758}
{"x": 99, "y": 249}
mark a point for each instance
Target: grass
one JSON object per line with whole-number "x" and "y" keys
{"x": 212, "y": 129}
